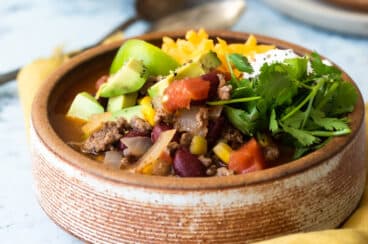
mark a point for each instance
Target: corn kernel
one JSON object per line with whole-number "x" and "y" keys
{"x": 147, "y": 110}
{"x": 223, "y": 151}
{"x": 145, "y": 100}
{"x": 198, "y": 145}
{"x": 149, "y": 113}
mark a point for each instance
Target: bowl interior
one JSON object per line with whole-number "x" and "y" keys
{"x": 83, "y": 70}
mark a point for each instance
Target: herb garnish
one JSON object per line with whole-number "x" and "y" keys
{"x": 305, "y": 109}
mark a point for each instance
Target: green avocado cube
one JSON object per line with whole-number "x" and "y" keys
{"x": 128, "y": 113}
{"x": 119, "y": 102}
{"x": 209, "y": 61}
{"x": 83, "y": 106}
{"x": 130, "y": 78}
{"x": 156, "y": 60}
{"x": 159, "y": 88}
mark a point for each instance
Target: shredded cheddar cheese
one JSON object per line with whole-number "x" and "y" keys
{"x": 197, "y": 43}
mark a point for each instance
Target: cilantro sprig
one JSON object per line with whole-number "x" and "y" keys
{"x": 303, "y": 108}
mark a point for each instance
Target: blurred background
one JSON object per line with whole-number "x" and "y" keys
{"x": 30, "y": 29}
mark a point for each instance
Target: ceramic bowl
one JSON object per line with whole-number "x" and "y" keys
{"x": 96, "y": 204}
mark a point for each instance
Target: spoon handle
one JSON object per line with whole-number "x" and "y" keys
{"x": 8, "y": 76}
{"x": 11, "y": 75}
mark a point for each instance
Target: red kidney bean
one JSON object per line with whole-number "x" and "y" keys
{"x": 187, "y": 165}
{"x": 214, "y": 131}
{"x": 214, "y": 83}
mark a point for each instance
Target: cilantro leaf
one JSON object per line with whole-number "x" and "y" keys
{"x": 285, "y": 101}
{"x": 245, "y": 91}
{"x": 342, "y": 101}
{"x": 329, "y": 123}
{"x": 297, "y": 67}
{"x": 240, "y": 62}
{"x": 295, "y": 120}
{"x": 325, "y": 94}
{"x": 300, "y": 151}
{"x": 273, "y": 125}
{"x": 275, "y": 85}
{"x": 320, "y": 69}
{"x": 241, "y": 120}
{"x": 303, "y": 137}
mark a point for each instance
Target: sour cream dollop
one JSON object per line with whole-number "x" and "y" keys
{"x": 274, "y": 56}
{"x": 269, "y": 57}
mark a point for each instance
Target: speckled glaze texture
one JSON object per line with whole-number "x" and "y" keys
{"x": 99, "y": 205}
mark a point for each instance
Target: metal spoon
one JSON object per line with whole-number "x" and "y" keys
{"x": 205, "y": 15}
{"x": 149, "y": 10}
{"x": 211, "y": 15}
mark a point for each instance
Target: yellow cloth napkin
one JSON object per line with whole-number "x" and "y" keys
{"x": 354, "y": 231}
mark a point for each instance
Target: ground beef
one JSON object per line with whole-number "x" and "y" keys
{"x": 140, "y": 125}
{"x": 233, "y": 137}
{"x": 224, "y": 93}
{"x": 202, "y": 121}
{"x": 222, "y": 80}
{"x": 271, "y": 153}
{"x": 172, "y": 147}
{"x": 102, "y": 139}
{"x": 161, "y": 115}
{"x": 224, "y": 89}
{"x": 223, "y": 171}
{"x": 212, "y": 170}
{"x": 205, "y": 160}
{"x": 122, "y": 124}
{"x": 186, "y": 139}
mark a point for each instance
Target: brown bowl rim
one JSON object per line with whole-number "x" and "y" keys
{"x": 58, "y": 147}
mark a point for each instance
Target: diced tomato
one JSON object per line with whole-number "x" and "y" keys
{"x": 100, "y": 81}
{"x": 180, "y": 93}
{"x": 247, "y": 158}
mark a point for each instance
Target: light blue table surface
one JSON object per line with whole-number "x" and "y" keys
{"x": 31, "y": 29}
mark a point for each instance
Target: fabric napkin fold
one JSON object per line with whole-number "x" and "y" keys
{"x": 354, "y": 231}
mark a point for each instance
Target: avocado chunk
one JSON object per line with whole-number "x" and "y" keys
{"x": 83, "y": 106}
{"x": 120, "y": 102}
{"x": 128, "y": 113}
{"x": 195, "y": 68}
{"x": 130, "y": 78}
{"x": 156, "y": 60}
{"x": 209, "y": 61}
{"x": 159, "y": 88}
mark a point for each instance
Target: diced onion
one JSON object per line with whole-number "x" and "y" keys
{"x": 137, "y": 145}
{"x": 187, "y": 121}
{"x": 154, "y": 152}
{"x": 113, "y": 159}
